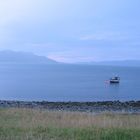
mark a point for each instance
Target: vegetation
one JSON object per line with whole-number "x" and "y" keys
{"x": 31, "y": 124}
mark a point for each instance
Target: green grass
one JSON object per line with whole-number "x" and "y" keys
{"x": 29, "y": 124}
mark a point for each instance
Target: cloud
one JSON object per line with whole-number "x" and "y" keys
{"x": 25, "y": 10}
{"x": 77, "y": 29}
{"x": 105, "y": 36}
{"x": 13, "y": 9}
{"x": 38, "y": 10}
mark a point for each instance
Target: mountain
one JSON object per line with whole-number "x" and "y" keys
{"x": 135, "y": 63}
{"x": 122, "y": 63}
{"x": 23, "y": 57}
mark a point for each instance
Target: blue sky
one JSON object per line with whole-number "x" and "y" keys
{"x": 72, "y": 30}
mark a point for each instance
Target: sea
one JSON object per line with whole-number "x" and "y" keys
{"x": 67, "y": 82}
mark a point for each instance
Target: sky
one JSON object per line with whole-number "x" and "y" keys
{"x": 72, "y": 31}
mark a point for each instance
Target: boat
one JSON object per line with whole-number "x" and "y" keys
{"x": 115, "y": 79}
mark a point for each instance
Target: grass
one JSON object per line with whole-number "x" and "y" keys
{"x": 31, "y": 124}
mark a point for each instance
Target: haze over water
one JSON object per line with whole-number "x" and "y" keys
{"x": 68, "y": 82}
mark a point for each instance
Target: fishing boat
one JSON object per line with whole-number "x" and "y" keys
{"x": 115, "y": 79}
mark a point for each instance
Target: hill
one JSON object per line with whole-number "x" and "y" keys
{"x": 135, "y": 63}
{"x": 23, "y": 57}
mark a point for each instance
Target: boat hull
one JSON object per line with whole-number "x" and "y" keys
{"x": 114, "y": 81}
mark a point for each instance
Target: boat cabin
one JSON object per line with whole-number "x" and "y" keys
{"x": 115, "y": 79}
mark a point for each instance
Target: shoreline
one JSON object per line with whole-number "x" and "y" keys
{"x": 132, "y": 107}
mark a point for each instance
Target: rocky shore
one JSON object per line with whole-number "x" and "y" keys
{"x": 93, "y": 107}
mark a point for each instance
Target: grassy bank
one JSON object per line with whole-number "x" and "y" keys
{"x": 29, "y": 124}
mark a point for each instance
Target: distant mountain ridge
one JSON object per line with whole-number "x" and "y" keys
{"x": 23, "y": 57}
{"x": 116, "y": 63}
{"x": 123, "y": 63}
{"x": 9, "y": 56}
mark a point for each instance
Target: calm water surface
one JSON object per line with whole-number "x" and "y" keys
{"x": 68, "y": 82}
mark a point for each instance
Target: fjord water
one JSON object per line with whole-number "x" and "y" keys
{"x": 61, "y": 82}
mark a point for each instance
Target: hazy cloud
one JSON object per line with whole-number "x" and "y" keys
{"x": 71, "y": 30}
{"x": 106, "y": 36}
